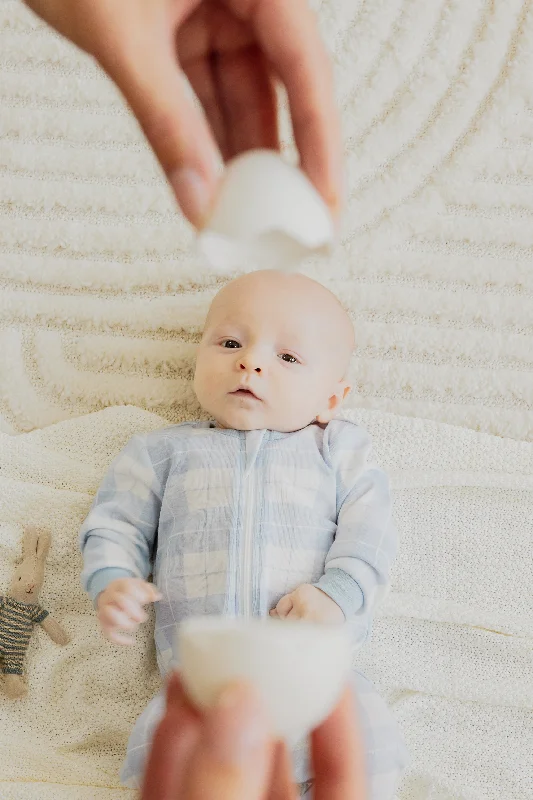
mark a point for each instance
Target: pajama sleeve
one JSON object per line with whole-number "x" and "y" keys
{"x": 118, "y": 535}
{"x": 40, "y": 614}
{"x": 358, "y": 563}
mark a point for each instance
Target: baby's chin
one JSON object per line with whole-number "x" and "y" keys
{"x": 246, "y": 420}
{"x": 240, "y": 420}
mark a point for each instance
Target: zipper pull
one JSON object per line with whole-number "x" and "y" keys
{"x": 254, "y": 440}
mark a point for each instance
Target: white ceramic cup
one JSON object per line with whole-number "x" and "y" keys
{"x": 298, "y": 669}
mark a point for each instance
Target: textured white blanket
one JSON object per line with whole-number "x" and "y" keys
{"x": 452, "y": 649}
{"x": 102, "y": 297}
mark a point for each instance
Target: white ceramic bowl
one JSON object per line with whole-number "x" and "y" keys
{"x": 299, "y": 669}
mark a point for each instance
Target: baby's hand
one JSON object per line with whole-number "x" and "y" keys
{"x": 120, "y": 607}
{"x": 311, "y": 604}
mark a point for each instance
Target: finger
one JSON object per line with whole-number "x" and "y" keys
{"x": 176, "y": 697}
{"x": 296, "y": 613}
{"x": 274, "y": 613}
{"x": 233, "y": 757}
{"x": 156, "y": 594}
{"x": 338, "y": 755}
{"x": 200, "y": 75}
{"x": 198, "y": 56}
{"x": 231, "y": 78}
{"x": 148, "y": 74}
{"x": 282, "y": 784}
{"x": 238, "y": 97}
{"x": 284, "y": 606}
{"x": 142, "y": 592}
{"x": 173, "y": 743}
{"x": 117, "y": 638}
{"x": 111, "y": 616}
{"x": 289, "y": 36}
{"x": 248, "y": 100}
{"x": 131, "y": 607}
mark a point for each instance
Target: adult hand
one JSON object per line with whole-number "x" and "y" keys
{"x": 229, "y": 753}
{"x": 231, "y": 52}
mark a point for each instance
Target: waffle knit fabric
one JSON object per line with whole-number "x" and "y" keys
{"x": 451, "y": 649}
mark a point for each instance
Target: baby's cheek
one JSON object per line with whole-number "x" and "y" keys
{"x": 301, "y": 401}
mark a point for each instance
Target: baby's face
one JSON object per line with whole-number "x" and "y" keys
{"x": 274, "y": 353}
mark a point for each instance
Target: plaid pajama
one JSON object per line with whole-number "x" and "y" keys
{"x": 230, "y": 521}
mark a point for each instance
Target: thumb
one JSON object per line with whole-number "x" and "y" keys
{"x": 154, "y": 593}
{"x": 285, "y": 606}
{"x": 233, "y": 758}
{"x": 157, "y": 91}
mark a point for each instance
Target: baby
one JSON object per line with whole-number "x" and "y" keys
{"x": 273, "y": 507}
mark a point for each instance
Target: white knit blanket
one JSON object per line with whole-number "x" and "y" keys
{"x": 452, "y": 649}
{"x": 102, "y": 296}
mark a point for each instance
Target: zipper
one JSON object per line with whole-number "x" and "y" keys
{"x": 248, "y": 545}
{"x": 254, "y": 441}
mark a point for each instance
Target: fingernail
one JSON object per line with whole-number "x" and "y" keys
{"x": 338, "y": 197}
{"x": 192, "y": 193}
{"x": 335, "y": 205}
{"x": 236, "y": 729}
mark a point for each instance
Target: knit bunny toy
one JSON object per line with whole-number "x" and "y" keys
{"x": 19, "y": 612}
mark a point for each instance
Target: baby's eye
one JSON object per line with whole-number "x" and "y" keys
{"x": 231, "y": 344}
{"x": 287, "y": 357}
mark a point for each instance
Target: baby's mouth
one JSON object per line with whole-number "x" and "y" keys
{"x": 244, "y": 392}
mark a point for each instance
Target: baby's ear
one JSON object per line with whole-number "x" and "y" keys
{"x": 335, "y": 401}
{"x": 43, "y": 545}
{"x": 29, "y": 541}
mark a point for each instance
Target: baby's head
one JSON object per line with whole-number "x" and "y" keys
{"x": 274, "y": 353}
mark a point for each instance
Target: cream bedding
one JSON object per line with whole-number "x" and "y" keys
{"x": 452, "y": 648}
{"x": 102, "y": 297}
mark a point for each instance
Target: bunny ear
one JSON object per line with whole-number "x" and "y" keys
{"x": 43, "y": 545}
{"x": 29, "y": 541}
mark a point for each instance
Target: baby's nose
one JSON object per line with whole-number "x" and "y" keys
{"x": 255, "y": 369}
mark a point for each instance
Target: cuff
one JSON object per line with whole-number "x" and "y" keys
{"x": 102, "y": 578}
{"x": 342, "y": 588}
